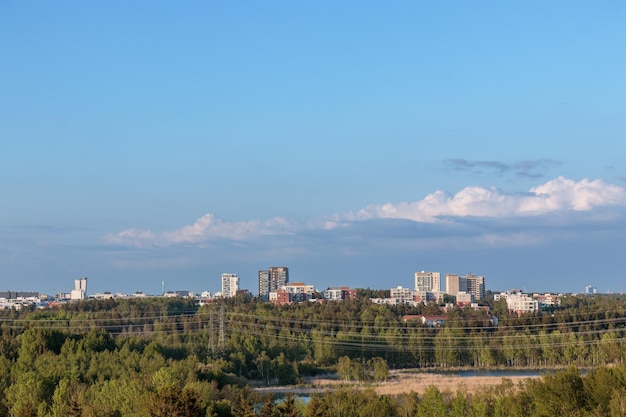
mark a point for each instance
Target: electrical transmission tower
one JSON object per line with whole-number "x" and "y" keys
{"x": 211, "y": 335}
{"x": 220, "y": 342}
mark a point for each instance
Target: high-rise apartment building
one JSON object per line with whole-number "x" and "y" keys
{"x": 230, "y": 285}
{"x": 476, "y": 286}
{"x": 272, "y": 279}
{"x": 427, "y": 281}
{"x": 279, "y": 276}
{"x": 472, "y": 284}
{"x": 455, "y": 284}
{"x": 264, "y": 284}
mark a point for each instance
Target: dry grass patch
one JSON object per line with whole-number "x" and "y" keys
{"x": 401, "y": 382}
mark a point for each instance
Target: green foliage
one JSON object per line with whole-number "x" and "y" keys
{"x": 287, "y": 407}
{"x": 123, "y": 397}
{"x": 432, "y": 404}
{"x": 135, "y": 357}
{"x": 172, "y": 401}
{"x": 30, "y": 393}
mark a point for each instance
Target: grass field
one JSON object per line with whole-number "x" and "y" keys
{"x": 405, "y": 381}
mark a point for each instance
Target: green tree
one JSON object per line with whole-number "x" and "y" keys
{"x": 344, "y": 368}
{"x": 31, "y": 393}
{"x": 445, "y": 352}
{"x": 114, "y": 397}
{"x": 65, "y": 400}
{"x": 243, "y": 408}
{"x": 285, "y": 371}
{"x": 287, "y": 407}
{"x": 381, "y": 369}
{"x": 314, "y": 408}
{"x": 172, "y": 401}
{"x": 268, "y": 408}
{"x": 432, "y": 404}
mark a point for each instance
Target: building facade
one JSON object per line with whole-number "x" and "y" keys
{"x": 428, "y": 281}
{"x": 472, "y": 284}
{"x": 294, "y": 292}
{"x": 230, "y": 285}
{"x": 455, "y": 284}
{"x": 475, "y": 286}
{"x": 80, "y": 289}
{"x": 518, "y": 302}
{"x": 339, "y": 293}
{"x": 272, "y": 279}
{"x": 264, "y": 284}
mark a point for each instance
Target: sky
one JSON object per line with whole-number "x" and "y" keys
{"x": 355, "y": 142}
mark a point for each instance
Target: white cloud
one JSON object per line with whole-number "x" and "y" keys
{"x": 206, "y": 228}
{"x": 555, "y": 195}
{"x": 558, "y": 195}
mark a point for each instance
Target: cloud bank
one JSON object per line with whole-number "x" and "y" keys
{"x": 561, "y": 196}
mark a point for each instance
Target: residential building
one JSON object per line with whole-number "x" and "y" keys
{"x": 294, "y": 292}
{"x": 455, "y": 284}
{"x": 272, "y": 279}
{"x": 518, "y": 302}
{"x": 427, "y": 297}
{"x": 472, "y": 284}
{"x": 388, "y": 301}
{"x": 428, "y": 321}
{"x": 402, "y": 295}
{"x": 464, "y": 299}
{"x": 476, "y": 286}
{"x": 264, "y": 284}
{"x": 339, "y": 293}
{"x": 548, "y": 299}
{"x": 279, "y": 276}
{"x": 230, "y": 285}
{"x": 427, "y": 281}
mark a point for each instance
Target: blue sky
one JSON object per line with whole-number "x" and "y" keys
{"x": 355, "y": 143}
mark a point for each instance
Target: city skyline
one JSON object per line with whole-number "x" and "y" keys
{"x": 356, "y": 143}
{"x": 278, "y": 277}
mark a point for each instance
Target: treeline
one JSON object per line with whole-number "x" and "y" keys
{"x": 162, "y": 357}
{"x": 601, "y": 392}
{"x": 583, "y": 332}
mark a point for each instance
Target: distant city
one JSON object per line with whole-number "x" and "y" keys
{"x": 274, "y": 286}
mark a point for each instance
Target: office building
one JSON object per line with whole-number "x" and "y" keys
{"x": 80, "y": 289}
